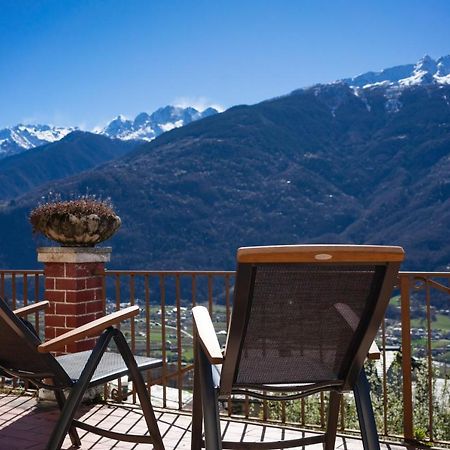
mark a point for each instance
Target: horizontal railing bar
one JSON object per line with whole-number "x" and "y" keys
{"x": 426, "y": 274}
{"x": 194, "y": 271}
{"x": 168, "y": 272}
{"x": 22, "y": 272}
{"x": 198, "y": 272}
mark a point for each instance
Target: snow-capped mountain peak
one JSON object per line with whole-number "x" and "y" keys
{"x": 426, "y": 71}
{"x": 443, "y": 66}
{"x": 426, "y": 64}
{"x": 141, "y": 119}
{"x": 391, "y": 83}
{"x": 148, "y": 126}
{"x": 117, "y": 126}
{"x": 23, "y": 137}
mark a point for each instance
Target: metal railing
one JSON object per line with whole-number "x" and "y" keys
{"x": 22, "y": 287}
{"x": 425, "y": 345}
{"x": 410, "y": 392}
{"x": 164, "y": 329}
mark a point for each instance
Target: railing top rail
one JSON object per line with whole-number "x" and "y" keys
{"x": 426, "y": 274}
{"x": 169, "y": 272}
{"x": 232, "y": 272}
{"x": 202, "y": 272}
{"x": 22, "y": 271}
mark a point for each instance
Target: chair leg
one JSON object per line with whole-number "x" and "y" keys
{"x": 366, "y": 416}
{"x": 197, "y": 419}
{"x": 141, "y": 390}
{"x": 73, "y": 433}
{"x": 76, "y": 393}
{"x": 210, "y": 405}
{"x": 333, "y": 414}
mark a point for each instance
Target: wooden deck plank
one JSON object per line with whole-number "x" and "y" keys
{"x": 24, "y": 424}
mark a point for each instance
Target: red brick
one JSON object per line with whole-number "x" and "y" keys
{"x": 71, "y": 284}
{"x": 54, "y": 270}
{"x": 81, "y": 346}
{"x": 97, "y": 269}
{"x": 55, "y": 296}
{"x": 71, "y": 309}
{"x": 80, "y": 296}
{"x": 73, "y": 321}
{"x": 50, "y": 333}
{"x": 77, "y": 270}
{"x": 49, "y": 283}
{"x": 50, "y": 308}
{"x": 87, "y": 344}
{"x": 98, "y": 294}
{"x": 96, "y": 306}
{"x": 55, "y": 321}
{"x": 76, "y": 321}
{"x": 60, "y": 331}
{"x": 71, "y": 348}
{"x": 94, "y": 282}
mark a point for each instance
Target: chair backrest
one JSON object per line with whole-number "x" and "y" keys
{"x": 306, "y": 313}
{"x": 19, "y": 354}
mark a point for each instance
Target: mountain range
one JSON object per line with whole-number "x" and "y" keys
{"x": 425, "y": 72}
{"x": 144, "y": 127}
{"x": 330, "y": 163}
{"x": 16, "y": 139}
{"x": 147, "y": 127}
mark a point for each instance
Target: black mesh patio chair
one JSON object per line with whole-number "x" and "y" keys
{"x": 304, "y": 318}
{"x": 23, "y": 355}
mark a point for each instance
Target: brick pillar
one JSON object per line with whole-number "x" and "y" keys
{"x": 74, "y": 288}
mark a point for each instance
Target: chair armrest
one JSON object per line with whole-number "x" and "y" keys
{"x": 207, "y": 335}
{"x": 374, "y": 351}
{"x": 93, "y": 328}
{"x": 29, "y": 309}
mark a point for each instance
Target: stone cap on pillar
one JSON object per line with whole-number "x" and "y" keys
{"x": 74, "y": 254}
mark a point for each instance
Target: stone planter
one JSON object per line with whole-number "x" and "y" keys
{"x": 77, "y": 223}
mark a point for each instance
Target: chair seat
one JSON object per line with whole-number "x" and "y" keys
{"x": 111, "y": 366}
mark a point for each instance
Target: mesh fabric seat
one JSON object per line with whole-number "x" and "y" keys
{"x": 303, "y": 320}
{"x": 110, "y": 367}
{"x": 23, "y": 355}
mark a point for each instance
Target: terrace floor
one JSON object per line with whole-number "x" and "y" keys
{"x": 26, "y": 424}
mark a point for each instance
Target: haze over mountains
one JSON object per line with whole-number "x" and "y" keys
{"x": 351, "y": 161}
{"x": 144, "y": 127}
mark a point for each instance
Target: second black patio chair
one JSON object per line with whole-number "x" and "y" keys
{"x": 23, "y": 355}
{"x": 304, "y": 318}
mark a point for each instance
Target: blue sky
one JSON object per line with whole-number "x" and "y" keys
{"x": 82, "y": 62}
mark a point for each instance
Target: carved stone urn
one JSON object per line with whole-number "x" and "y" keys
{"x": 76, "y": 223}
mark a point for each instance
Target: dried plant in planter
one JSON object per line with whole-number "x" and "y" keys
{"x": 83, "y": 222}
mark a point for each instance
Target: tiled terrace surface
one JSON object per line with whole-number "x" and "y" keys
{"x": 24, "y": 424}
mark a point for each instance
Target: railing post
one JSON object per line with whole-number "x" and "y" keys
{"x": 405, "y": 286}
